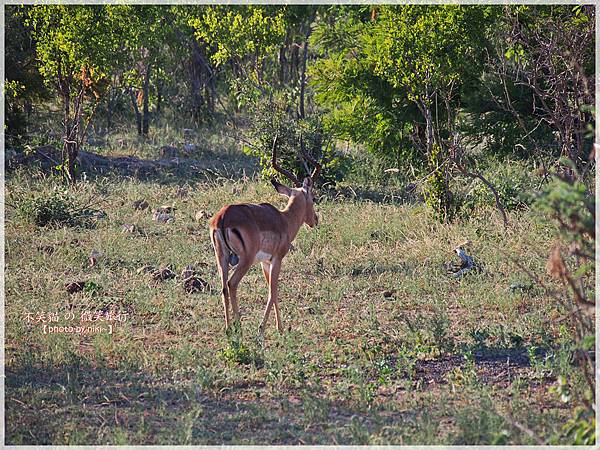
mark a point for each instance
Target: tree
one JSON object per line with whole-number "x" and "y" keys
{"x": 392, "y": 75}
{"x": 149, "y": 35}
{"x": 23, "y": 83}
{"x": 77, "y": 48}
{"x": 548, "y": 51}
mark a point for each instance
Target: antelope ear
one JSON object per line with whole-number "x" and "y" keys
{"x": 283, "y": 190}
{"x": 308, "y": 184}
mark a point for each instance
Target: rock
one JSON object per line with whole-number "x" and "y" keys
{"x": 130, "y": 228}
{"x": 140, "y": 205}
{"x": 168, "y": 151}
{"x": 94, "y": 256}
{"x": 165, "y": 209}
{"x": 74, "y": 287}
{"x": 188, "y": 271}
{"x": 163, "y": 217}
{"x": 163, "y": 274}
{"x": 190, "y": 148}
{"x": 195, "y": 284}
{"x": 202, "y": 215}
{"x": 99, "y": 215}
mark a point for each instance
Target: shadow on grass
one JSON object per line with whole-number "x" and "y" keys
{"x": 81, "y": 404}
{"x": 497, "y": 366}
{"x": 208, "y": 166}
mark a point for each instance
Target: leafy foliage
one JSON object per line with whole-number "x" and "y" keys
{"x": 54, "y": 209}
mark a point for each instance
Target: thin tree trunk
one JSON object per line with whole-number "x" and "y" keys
{"x": 146, "y": 112}
{"x": 158, "y": 95}
{"x": 138, "y": 116}
{"x": 303, "y": 76}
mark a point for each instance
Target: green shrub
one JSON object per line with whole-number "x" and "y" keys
{"x": 515, "y": 182}
{"x": 272, "y": 119}
{"x": 53, "y": 209}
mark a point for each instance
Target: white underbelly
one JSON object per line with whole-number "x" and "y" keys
{"x": 263, "y": 256}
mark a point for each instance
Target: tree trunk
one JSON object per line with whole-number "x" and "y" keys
{"x": 429, "y": 132}
{"x": 70, "y": 147}
{"x": 294, "y": 62}
{"x": 112, "y": 100}
{"x": 197, "y": 71}
{"x": 138, "y": 116}
{"x": 282, "y": 63}
{"x": 303, "y": 76}
{"x": 158, "y": 95}
{"x": 146, "y": 112}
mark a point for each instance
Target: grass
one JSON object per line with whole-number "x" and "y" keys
{"x": 381, "y": 346}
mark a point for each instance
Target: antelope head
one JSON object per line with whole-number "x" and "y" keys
{"x": 302, "y": 194}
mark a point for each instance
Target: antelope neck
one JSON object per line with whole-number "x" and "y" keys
{"x": 294, "y": 213}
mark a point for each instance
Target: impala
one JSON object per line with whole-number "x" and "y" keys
{"x": 245, "y": 234}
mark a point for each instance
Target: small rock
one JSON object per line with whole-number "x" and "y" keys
{"x": 130, "y": 228}
{"x": 165, "y": 209}
{"x": 168, "y": 151}
{"x": 93, "y": 258}
{"x": 163, "y": 217}
{"x": 195, "y": 284}
{"x": 140, "y": 205}
{"x": 202, "y": 215}
{"x": 189, "y": 148}
{"x": 74, "y": 287}
{"x": 99, "y": 215}
{"x": 163, "y": 274}
{"x": 188, "y": 271}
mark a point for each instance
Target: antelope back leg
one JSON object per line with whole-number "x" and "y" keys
{"x": 240, "y": 270}
{"x": 222, "y": 256}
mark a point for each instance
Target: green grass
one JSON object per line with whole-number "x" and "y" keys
{"x": 433, "y": 361}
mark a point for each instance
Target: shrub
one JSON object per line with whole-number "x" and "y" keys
{"x": 53, "y": 209}
{"x": 515, "y": 182}
{"x": 272, "y": 118}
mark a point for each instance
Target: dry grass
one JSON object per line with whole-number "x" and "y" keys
{"x": 383, "y": 347}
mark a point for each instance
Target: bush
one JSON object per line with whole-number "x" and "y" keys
{"x": 516, "y": 183}
{"x": 273, "y": 118}
{"x": 54, "y": 209}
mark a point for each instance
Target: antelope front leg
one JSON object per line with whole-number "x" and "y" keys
{"x": 273, "y": 280}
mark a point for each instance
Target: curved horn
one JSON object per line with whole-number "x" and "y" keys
{"x": 280, "y": 169}
{"x": 310, "y": 159}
